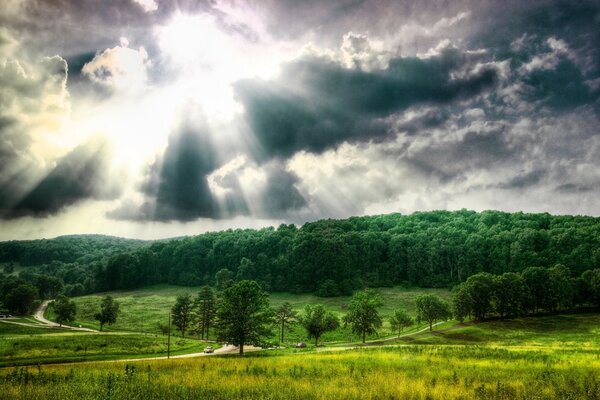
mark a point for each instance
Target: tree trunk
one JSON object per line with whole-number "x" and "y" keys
{"x": 316, "y": 341}
{"x": 242, "y": 349}
{"x": 430, "y": 326}
{"x": 364, "y": 336}
{"x": 101, "y": 324}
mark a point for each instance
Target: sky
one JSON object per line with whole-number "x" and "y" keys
{"x": 156, "y": 118}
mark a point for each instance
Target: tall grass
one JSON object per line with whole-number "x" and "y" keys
{"x": 403, "y": 372}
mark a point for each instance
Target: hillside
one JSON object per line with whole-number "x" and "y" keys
{"x": 326, "y": 257}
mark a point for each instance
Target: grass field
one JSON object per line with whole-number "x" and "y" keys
{"x": 141, "y": 310}
{"x": 25, "y": 345}
{"x": 519, "y": 359}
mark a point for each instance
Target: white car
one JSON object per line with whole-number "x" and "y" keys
{"x": 209, "y": 350}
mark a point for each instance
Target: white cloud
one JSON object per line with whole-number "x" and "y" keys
{"x": 120, "y": 67}
{"x": 147, "y": 5}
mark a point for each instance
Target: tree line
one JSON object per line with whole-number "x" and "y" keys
{"x": 337, "y": 257}
{"x": 532, "y": 291}
{"x": 326, "y": 257}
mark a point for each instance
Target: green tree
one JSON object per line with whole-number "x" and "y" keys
{"x": 562, "y": 291}
{"x": 481, "y": 288}
{"x": 64, "y": 309}
{"x": 243, "y": 314}
{"x": 431, "y": 308}
{"x": 537, "y": 281}
{"x": 509, "y": 294}
{"x": 205, "y": 305}
{"x": 285, "y": 315}
{"x": 591, "y": 286}
{"x": 224, "y": 278}
{"x": 316, "y": 321}
{"x": 181, "y": 313}
{"x": 21, "y": 299}
{"x": 363, "y": 315}
{"x": 109, "y": 310}
{"x": 462, "y": 304}
{"x": 400, "y": 320}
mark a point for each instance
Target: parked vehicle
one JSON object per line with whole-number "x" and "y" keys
{"x": 300, "y": 345}
{"x": 209, "y": 350}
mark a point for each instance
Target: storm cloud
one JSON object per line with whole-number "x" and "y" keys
{"x": 308, "y": 109}
{"x": 317, "y": 104}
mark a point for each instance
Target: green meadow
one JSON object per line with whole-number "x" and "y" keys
{"x": 25, "y": 345}
{"x": 517, "y": 359}
{"x": 142, "y": 310}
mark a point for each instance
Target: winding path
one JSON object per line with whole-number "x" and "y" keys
{"x": 39, "y": 315}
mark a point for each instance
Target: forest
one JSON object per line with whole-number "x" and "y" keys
{"x": 326, "y": 257}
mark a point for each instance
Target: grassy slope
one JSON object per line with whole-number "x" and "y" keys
{"x": 519, "y": 359}
{"x": 143, "y": 309}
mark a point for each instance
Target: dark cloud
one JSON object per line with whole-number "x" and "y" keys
{"x": 524, "y": 180}
{"x": 281, "y": 195}
{"x": 80, "y": 175}
{"x": 334, "y": 104}
{"x": 561, "y": 88}
{"x": 177, "y": 187}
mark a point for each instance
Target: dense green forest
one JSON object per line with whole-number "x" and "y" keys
{"x": 327, "y": 257}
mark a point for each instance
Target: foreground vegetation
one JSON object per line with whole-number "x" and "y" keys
{"x": 520, "y": 359}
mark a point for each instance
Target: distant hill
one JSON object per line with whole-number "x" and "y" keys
{"x": 82, "y": 249}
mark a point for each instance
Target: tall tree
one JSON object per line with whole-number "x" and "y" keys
{"x": 431, "y": 308}
{"x": 481, "y": 289}
{"x": 109, "y": 310}
{"x": 400, "y": 320}
{"x": 285, "y": 315}
{"x": 462, "y": 304}
{"x": 243, "y": 314}
{"x": 509, "y": 294}
{"x": 205, "y": 306}
{"x": 181, "y": 313}
{"x": 363, "y": 314}
{"x": 537, "y": 281}
{"x": 316, "y": 321}
{"x": 64, "y": 309}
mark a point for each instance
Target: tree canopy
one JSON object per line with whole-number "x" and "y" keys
{"x": 431, "y": 308}
{"x": 109, "y": 310}
{"x": 316, "y": 321}
{"x": 64, "y": 309}
{"x": 181, "y": 313}
{"x": 243, "y": 315}
{"x": 363, "y": 314}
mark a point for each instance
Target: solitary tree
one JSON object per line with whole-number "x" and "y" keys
{"x": 243, "y": 314}
{"x": 64, "y": 309}
{"x": 205, "y": 307}
{"x": 363, "y": 315}
{"x": 316, "y": 321}
{"x": 181, "y": 313}
{"x": 109, "y": 309}
{"x": 400, "y": 320}
{"x": 431, "y": 308}
{"x": 285, "y": 315}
